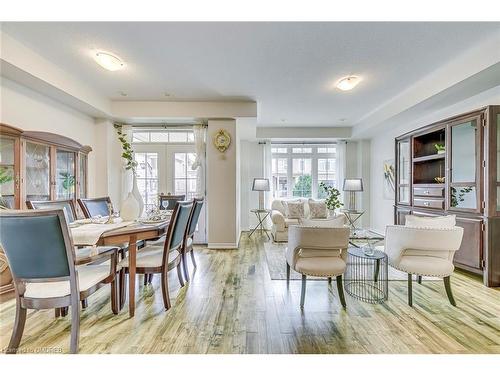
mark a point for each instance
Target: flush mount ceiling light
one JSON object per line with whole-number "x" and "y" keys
{"x": 108, "y": 61}
{"x": 348, "y": 83}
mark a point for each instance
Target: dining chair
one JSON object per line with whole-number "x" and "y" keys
{"x": 167, "y": 202}
{"x": 67, "y": 205}
{"x": 45, "y": 270}
{"x": 317, "y": 251}
{"x": 187, "y": 243}
{"x": 161, "y": 259}
{"x": 92, "y": 207}
{"x": 423, "y": 252}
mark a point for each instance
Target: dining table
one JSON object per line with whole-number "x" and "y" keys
{"x": 128, "y": 232}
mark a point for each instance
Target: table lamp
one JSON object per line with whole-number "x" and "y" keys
{"x": 261, "y": 185}
{"x": 352, "y": 185}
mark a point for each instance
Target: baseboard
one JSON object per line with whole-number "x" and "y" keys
{"x": 224, "y": 246}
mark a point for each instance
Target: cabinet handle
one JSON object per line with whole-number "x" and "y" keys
{"x": 427, "y": 192}
{"x": 426, "y": 203}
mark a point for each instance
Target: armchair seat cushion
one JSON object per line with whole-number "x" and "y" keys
{"x": 150, "y": 257}
{"x": 88, "y": 276}
{"x": 426, "y": 265}
{"x": 320, "y": 266}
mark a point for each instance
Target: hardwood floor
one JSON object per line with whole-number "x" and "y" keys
{"x": 232, "y": 306}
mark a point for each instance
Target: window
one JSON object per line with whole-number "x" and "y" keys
{"x": 147, "y": 177}
{"x": 185, "y": 176}
{"x": 163, "y": 136}
{"x": 297, "y": 170}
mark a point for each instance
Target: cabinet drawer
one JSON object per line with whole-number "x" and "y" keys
{"x": 428, "y": 192}
{"x": 428, "y": 203}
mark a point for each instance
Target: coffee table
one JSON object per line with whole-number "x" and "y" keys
{"x": 365, "y": 236}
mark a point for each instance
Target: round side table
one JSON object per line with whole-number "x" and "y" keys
{"x": 366, "y": 277}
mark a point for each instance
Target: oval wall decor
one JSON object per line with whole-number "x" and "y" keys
{"x": 222, "y": 140}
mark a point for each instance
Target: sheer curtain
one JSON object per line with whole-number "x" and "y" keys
{"x": 340, "y": 166}
{"x": 199, "y": 163}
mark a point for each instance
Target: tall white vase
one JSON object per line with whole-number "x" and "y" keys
{"x": 138, "y": 197}
{"x": 130, "y": 208}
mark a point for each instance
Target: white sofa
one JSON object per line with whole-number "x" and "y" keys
{"x": 281, "y": 222}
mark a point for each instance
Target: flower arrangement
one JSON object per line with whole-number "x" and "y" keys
{"x": 332, "y": 196}
{"x": 127, "y": 152}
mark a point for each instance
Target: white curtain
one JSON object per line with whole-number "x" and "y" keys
{"x": 199, "y": 163}
{"x": 267, "y": 172}
{"x": 341, "y": 166}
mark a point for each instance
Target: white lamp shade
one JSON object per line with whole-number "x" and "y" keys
{"x": 260, "y": 184}
{"x": 353, "y": 184}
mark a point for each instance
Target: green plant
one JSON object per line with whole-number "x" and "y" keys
{"x": 455, "y": 199}
{"x": 127, "y": 152}
{"x": 68, "y": 180}
{"x": 303, "y": 186}
{"x": 332, "y": 196}
{"x": 5, "y": 175}
{"x": 439, "y": 147}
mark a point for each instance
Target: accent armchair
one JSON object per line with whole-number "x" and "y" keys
{"x": 317, "y": 251}
{"x": 423, "y": 252}
{"x": 187, "y": 244}
{"x": 45, "y": 271}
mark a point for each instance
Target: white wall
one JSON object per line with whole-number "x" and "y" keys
{"x": 28, "y": 110}
{"x": 251, "y": 166}
{"x": 382, "y": 148}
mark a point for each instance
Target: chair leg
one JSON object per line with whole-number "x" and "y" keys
{"x": 193, "y": 259}
{"x": 410, "y": 292}
{"x": 85, "y": 303}
{"x": 185, "y": 266}
{"x": 329, "y": 280}
{"x": 303, "y": 291}
{"x": 57, "y": 312}
{"x": 64, "y": 311}
{"x": 146, "y": 278}
{"x": 17, "y": 332}
{"x": 287, "y": 273}
{"x": 164, "y": 290}
{"x": 123, "y": 282}
{"x": 75, "y": 325}
{"x": 340, "y": 288}
{"x": 115, "y": 303}
{"x": 419, "y": 279}
{"x": 150, "y": 280}
{"x": 179, "y": 274}
{"x": 377, "y": 270}
{"x": 447, "y": 286}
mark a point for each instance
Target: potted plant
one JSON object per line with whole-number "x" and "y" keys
{"x": 5, "y": 176}
{"x": 441, "y": 149}
{"x": 332, "y": 199}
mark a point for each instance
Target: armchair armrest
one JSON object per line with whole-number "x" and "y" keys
{"x": 278, "y": 220}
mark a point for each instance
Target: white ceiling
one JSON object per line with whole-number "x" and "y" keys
{"x": 288, "y": 68}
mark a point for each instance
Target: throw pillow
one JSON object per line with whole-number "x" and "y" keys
{"x": 318, "y": 209}
{"x": 295, "y": 210}
{"x": 334, "y": 222}
{"x": 430, "y": 222}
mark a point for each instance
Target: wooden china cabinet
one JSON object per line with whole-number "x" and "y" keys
{"x": 38, "y": 166}
{"x": 453, "y": 167}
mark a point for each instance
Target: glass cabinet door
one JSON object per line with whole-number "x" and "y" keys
{"x": 403, "y": 176}
{"x": 65, "y": 175}
{"x": 463, "y": 192}
{"x": 37, "y": 172}
{"x": 7, "y": 173}
{"x": 82, "y": 183}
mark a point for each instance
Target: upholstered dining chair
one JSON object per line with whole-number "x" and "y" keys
{"x": 92, "y": 207}
{"x": 187, "y": 243}
{"x": 423, "y": 252}
{"x": 167, "y": 202}
{"x": 67, "y": 205}
{"x": 317, "y": 251}
{"x": 161, "y": 259}
{"x": 45, "y": 271}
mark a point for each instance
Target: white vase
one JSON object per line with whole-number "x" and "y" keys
{"x": 333, "y": 213}
{"x": 138, "y": 197}
{"x": 130, "y": 208}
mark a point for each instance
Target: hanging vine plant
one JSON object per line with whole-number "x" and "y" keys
{"x": 127, "y": 152}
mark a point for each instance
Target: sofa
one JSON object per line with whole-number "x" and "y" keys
{"x": 281, "y": 221}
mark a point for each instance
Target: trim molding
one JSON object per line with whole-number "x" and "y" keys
{"x": 223, "y": 245}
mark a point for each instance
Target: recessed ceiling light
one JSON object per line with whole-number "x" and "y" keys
{"x": 122, "y": 93}
{"x": 348, "y": 83}
{"x": 283, "y": 120}
{"x": 166, "y": 94}
{"x": 109, "y": 61}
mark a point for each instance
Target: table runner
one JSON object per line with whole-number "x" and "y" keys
{"x": 89, "y": 234}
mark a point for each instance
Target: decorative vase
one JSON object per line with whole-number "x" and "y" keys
{"x": 333, "y": 212}
{"x": 138, "y": 197}
{"x": 130, "y": 208}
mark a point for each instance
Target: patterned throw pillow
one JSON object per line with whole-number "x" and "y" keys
{"x": 295, "y": 210}
{"x": 318, "y": 209}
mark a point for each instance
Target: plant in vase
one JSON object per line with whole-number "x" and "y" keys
{"x": 441, "y": 149}
{"x": 5, "y": 177}
{"x": 332, "y": 199}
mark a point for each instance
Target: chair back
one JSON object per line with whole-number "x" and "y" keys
{"x": 167, "y": 202}
{"x": 177, "y": 227}
{"x": 94, "y": 206}
{"x": 37, "y": 244}
{"x": 68, "y": 206}
{"x": 195, "y": 215}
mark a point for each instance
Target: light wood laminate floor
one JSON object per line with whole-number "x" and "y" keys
{"x": 232, "y": 306}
